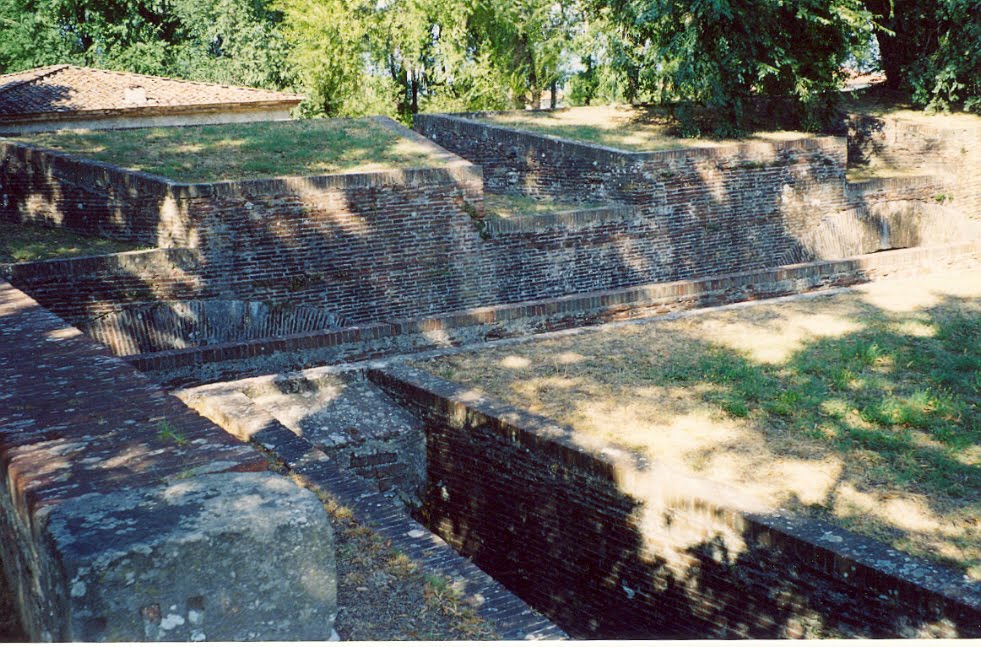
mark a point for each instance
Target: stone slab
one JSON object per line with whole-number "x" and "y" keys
{"x": 124, "y": 515}
{"x": 217, "y": 557}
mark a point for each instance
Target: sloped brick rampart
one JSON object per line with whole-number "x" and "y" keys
{"x": 692, "y": 212}
{"x": 122, "y": 511}
{"x": 732, "y": 181}
{"x": 376, "y": 248}
{"x": 950, "y": 152}
{"x": 362, "y": 245}
{"x": 367, "y": 341}
{"x": 610, "y": 548}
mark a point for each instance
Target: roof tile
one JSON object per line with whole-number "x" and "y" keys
{"x": 71, "y": 89}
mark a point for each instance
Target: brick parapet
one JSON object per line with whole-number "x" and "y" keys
{"x": 86, "y": 442}
{"x": 534, "y": 164}
{"x": 406, "y": 245}
{"x": 947, "y": 150}
{"x": 550, "y": 510}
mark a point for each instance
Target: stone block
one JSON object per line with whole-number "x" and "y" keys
{"x": 234, "y": 556}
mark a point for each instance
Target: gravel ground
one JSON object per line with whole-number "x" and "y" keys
{"x": 382, "y": 595}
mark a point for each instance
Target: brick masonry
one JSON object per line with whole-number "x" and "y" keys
{"x": 360, "y": 342}
{"x": 691, "y": 212}
{"x": 950, "y": 152}
{"x": 228, "y": 405}
{"x": 609, "y": 547}
{"x": 359, "y": 248}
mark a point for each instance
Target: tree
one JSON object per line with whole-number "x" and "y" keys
{"x": 720, "y": 54}
{"x": 524, "y": 40}
{"x": 932, "y": 48}
{"x": 30, "y": 35}
{"x": 228, "y": 41}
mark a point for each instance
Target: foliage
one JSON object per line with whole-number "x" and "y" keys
{"x": 29, "y": 35}
{"x": 719, "y": 54}
{"x": 227, "y": 41}
{"x": 400, "y": 57}
{"x": 951, "y": 73}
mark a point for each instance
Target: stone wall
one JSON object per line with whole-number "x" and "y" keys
{"x": 608, "y": 547}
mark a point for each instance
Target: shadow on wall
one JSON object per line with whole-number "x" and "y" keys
{"x": 350, "y": 248}
{"x": 625, "y": 550}
{"x": 695, "y": 214}
{"x": 360, "y": 248}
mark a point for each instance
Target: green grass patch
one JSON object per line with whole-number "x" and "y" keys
{"x": 248, "y": 150}
{"x": 631, "y": 128}
{"x": 25, "y": 243}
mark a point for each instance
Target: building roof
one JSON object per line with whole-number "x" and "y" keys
{"x": 67, "y": 91}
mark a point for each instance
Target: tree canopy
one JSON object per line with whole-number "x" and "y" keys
{"x": 399, "y": 57}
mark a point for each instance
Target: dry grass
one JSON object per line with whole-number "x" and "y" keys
{"x": 631, "y": 128}
{"x": 879, "y": 102}
{"x": 499, "y": 205}
{"x": 383, "y": 595}
{"x": 25, "y": 243}
{"x": 249, "y": 150}
{"x": 861, "y": 408}
{"x": 864, "y": 172}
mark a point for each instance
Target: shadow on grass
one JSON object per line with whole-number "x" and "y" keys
{"x": 608, "y": 559}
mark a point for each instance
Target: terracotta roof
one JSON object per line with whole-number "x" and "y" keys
{"x": 68, "y": 89}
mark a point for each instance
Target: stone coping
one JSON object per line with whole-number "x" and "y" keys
{"x": 854, "y": 559}
{"x": 227, "y": 406}
{"x": 564, "y": 219}
{"x": 103, "y": 175}
{"x": 892, "y": 183}
{"x": 373, "y": 340}
{"x": 600, "y": 152}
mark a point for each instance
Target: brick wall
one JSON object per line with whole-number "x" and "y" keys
{"x": 79, "y": 289}
{"x": 361, "y": 246}
{"x": 52, "y": 188}
{"x": 85, "y": 437}
{"x": 951, "y": 152}
{"x": 689, "y": 213}
{"x": 755, "y": 179}
{"x": 372, "y": 247}
{"x": 610, "y": 548}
